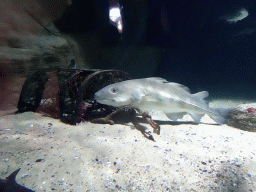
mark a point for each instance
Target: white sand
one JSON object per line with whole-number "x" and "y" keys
{"x": 96, "y": 157}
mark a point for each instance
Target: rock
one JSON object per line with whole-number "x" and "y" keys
{"x": 243, "y": 117}
{"x": 30, "y": 42}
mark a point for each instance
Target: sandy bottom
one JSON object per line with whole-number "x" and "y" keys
{"x": 54, "y": 156}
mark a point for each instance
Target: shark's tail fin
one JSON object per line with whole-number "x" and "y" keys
{"x": 222, "y": 116}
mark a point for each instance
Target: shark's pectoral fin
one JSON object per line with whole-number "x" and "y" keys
{"x": 137, "y": 97}
{"x": 174, "y": 116}
{"x": 196, "y": 117}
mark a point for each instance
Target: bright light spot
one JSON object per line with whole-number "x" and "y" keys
{"x": 115, "y": 17}
{"x": 114, "y": 13}
{"x": 120, "y": 27}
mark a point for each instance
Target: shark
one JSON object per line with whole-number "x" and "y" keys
{"x": 155, "y": 93}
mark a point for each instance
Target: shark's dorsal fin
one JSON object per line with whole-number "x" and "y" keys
{"x": 202, "y": 94}
{"x": 11, "y": 178}
{"x": 180, "y": 86}
{"x": 158, "y": 79}
{"x": 161, "y": 80}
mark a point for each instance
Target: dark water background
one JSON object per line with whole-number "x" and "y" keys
{"x": 204, "y": 52}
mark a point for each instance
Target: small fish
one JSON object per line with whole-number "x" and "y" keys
{"x": 10, "y": 185}
{"x": 235, "y": 16}
{"x": 155, "y": 93}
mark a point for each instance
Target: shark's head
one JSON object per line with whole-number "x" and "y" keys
{"x": 118, "y": 94}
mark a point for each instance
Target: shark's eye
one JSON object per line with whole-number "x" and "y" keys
{"x": 114, "y": 90}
